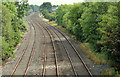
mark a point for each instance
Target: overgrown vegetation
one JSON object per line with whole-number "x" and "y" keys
{"x": 95, "y": 24}
{"x": 47, "y": 12}
{"x": 12, "y": 26}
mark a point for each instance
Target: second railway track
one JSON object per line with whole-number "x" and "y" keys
{"x": 24, "y": 51}
{"x": 54, "y": 50}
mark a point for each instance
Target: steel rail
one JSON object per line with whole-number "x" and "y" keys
{"x": 76, "y": 75}
{"x": 54, "y": 49}
{"x": 32, "y": 52}
{"x": 45, "y": 54}
{"x": 24, "y": 50}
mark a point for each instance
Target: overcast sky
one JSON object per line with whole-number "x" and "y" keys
{"x": 54, "y": 2}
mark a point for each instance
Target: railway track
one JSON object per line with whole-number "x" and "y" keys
{"x": 24, "y": 51}
{"x": 32, "y": 53}
{"x": 45, "y": 53}
{"x": 76, "y": 53}
{"x": 54, "y": 50}
{"x": 75, "y": 73}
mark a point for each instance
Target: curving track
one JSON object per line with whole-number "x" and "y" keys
{"x": 46, "y": 51}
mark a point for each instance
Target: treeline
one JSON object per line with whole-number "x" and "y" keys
{"x": 32, "y": 9}
{"x": 96, "y": 23}
{"x": 12, "y": 26}
{"x": 48, "y": 11}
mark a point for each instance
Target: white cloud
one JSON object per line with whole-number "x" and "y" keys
{"x": 54, "y": 2}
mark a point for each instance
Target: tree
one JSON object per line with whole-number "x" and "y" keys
{"x": 12, "y": 26}
{"x": 45, "y": 13}
{"x": 74, "y": 16}
{"x": 31, "y": 9}
{"x": 60, "y": 12}
{"x": 46, "y": 6}
{"x": 110, "y": 30}
{"x": 89, "y": 22}
{"x": 21, "y": 6}
{"x": 52, "y": 16}
{"x": 7, "y": 32}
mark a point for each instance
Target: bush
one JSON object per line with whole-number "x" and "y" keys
{"x": 12, "y": 26}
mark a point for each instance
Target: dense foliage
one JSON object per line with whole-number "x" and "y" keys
{"x": 46, "y": 10}
{"x": 12, "y": 26}
{"x": 96, "y": 23}
{"x": 110, "y": 30}
{"x": 32, "y": 8}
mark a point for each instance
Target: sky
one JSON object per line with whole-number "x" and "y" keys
{"x": 54, "y": 2}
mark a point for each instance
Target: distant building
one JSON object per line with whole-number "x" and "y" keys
{"x": 54, "y": 8}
